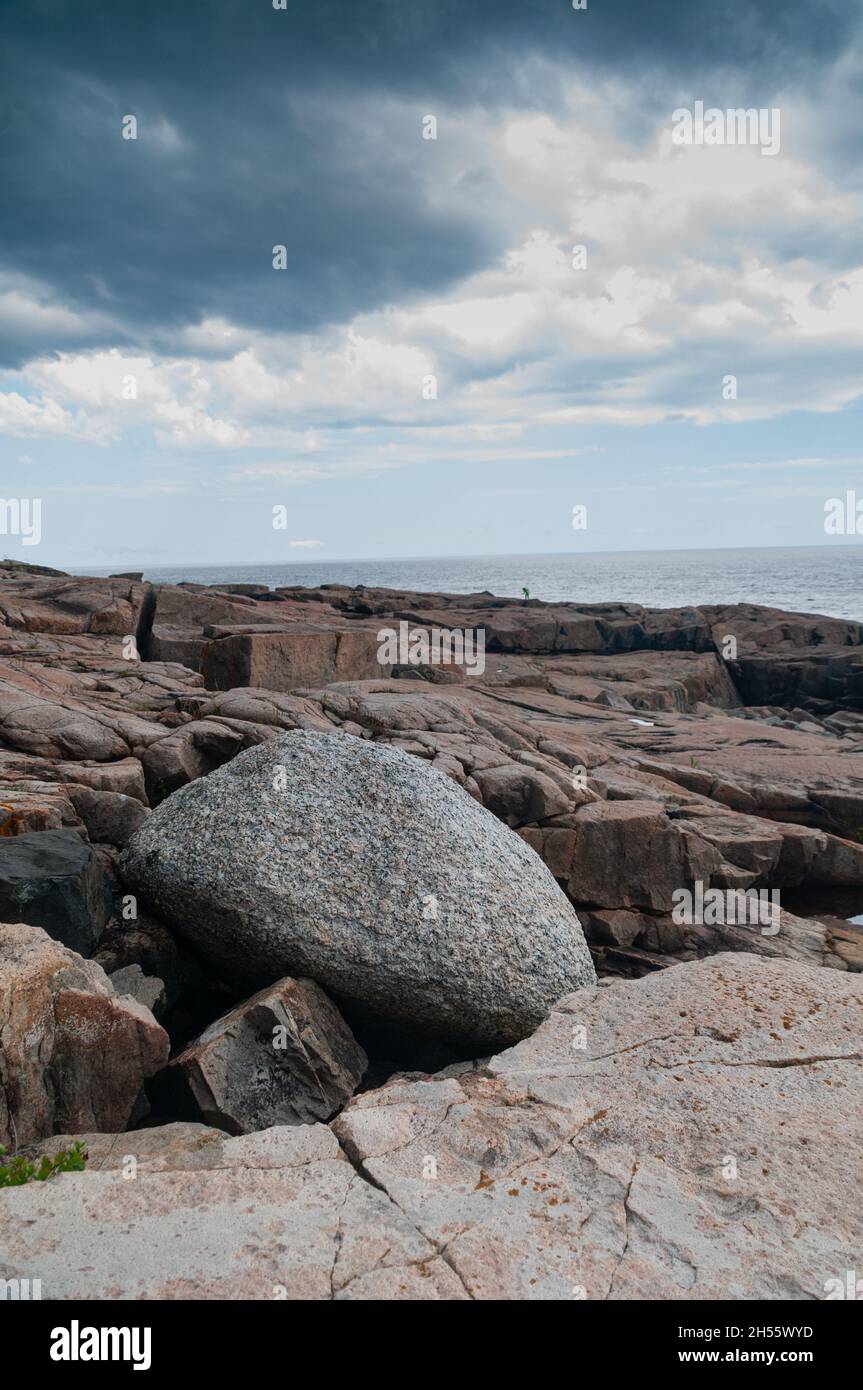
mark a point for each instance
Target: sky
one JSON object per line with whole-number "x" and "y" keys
{"x": 435, "y": 370}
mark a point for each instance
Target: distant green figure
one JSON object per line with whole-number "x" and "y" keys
{"x": 526, "y": 593}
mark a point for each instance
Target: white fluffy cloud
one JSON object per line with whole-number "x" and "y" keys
{"x": 688, "y": 279}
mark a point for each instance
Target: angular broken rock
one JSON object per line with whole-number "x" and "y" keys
{"x": 361, "y": 867}
{"x": 73, "y": 1055}
{"x": 52, "y": 879}
{"x": 289, "y": 660}
{"x": 284, "y": 1057}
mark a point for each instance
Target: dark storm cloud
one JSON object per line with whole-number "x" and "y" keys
{"x": 258, "y": 127}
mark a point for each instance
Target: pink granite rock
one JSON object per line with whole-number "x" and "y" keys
{"x": 685, "y": 1136}
{"x": 73, "y": 1055}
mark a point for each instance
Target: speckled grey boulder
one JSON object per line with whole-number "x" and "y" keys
{"x": 361, "y": 867}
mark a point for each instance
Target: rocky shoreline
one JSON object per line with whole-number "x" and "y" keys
{"x": 407, "y": 980}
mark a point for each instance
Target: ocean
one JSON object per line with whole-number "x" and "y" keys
{"x": 811, "y": 579}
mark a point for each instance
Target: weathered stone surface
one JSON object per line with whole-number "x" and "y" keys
{"x": 283, "y": 1057}
{"x": 192, "y": 606}
{"x": 519, "y": 794}
{"x": 190, "y": 752}
{"x": 31, "y": 806}
{"x": 277, "y": 1215}
{"x": 544, "y": 731}
{"x": 110, "y": 817}
{"x": 24, "y": 567}
{"x": 629, "y": 854}
{"x": 73, "y": 1055}
{"x": 626, "y": 680}
{"x": 125, "y": 777}
{"x": 100, "y": 607}
{"x": 681, "y": 1137}
{"x": 785, "y": 934}
{"x": 54, "y": 881}
{"x": 692, "y": 1142}
{"x": 292, "y": 659}
{"x": 76, "y": 708}
{"x": 770, "y": 677}
{"x": 617, "y": 927}
{"x": 355, "y": 865}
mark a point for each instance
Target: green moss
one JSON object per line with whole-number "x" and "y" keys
{"x": 20, "y": 1170}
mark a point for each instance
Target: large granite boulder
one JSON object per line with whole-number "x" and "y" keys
{"x": 73, "y": 1054}
{"x": 362, "y": 868}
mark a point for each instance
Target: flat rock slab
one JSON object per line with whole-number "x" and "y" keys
{"x": 356, "y": 865}
{"x": 691, "y": 1135}
{"x": 283, "y": 1057}
{"x": 53, "y": 880}
{"x": 278, "y": 1215}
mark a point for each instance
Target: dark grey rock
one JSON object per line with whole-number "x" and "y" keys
{"x": 284, "y": 1057}
{"x": 146, "y": 943}
{"x": 367, "y": 870}
{"x": 53, "y": 879}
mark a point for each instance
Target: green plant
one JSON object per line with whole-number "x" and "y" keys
{"x": 21, "y": 1170}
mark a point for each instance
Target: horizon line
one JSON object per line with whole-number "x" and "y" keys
{"x": 844, "y": 543}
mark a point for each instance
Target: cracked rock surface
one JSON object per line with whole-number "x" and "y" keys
{"x": 695, "y": 1134}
